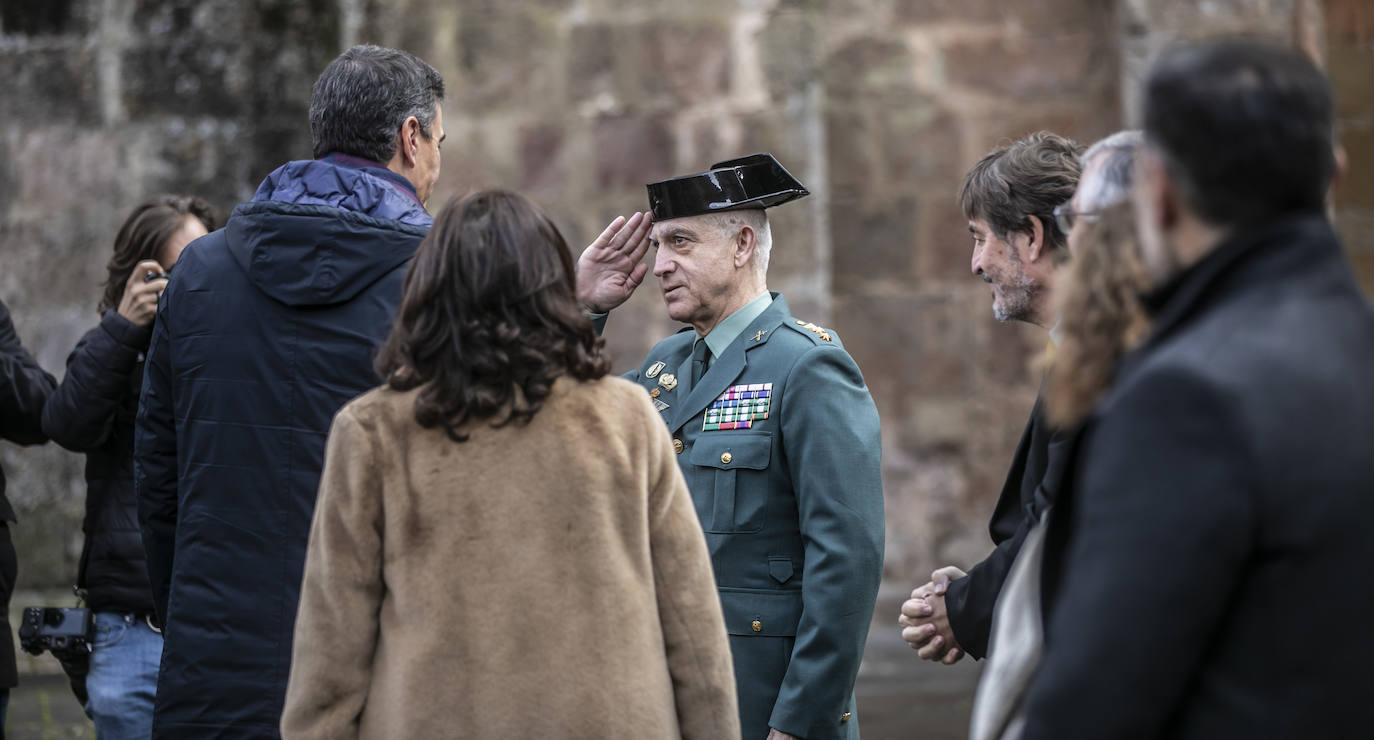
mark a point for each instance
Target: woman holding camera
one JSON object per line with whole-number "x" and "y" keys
{"x": 92, "y": 411}
{"x": 503, "y": 545}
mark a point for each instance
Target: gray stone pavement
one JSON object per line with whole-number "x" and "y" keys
{"x": 901, "y": 697}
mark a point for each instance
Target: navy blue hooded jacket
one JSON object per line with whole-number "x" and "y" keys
{"x": 267, "y": 327}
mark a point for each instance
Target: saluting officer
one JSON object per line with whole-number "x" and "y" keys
{"x": 776, "y": 434}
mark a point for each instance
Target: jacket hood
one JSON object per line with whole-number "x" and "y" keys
{"x": 318, "y": 233}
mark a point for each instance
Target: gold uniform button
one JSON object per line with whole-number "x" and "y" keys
{"x": 845, "y": 717}
{"x": 726, "y": 458}
{"x": 757, "y": 626}
{"x": 654, "y": 393}
{"x": 677, "y": 446}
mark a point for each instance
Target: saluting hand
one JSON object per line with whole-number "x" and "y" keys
{"x": 139, "y": 304}
{"x": 610, "y": 268}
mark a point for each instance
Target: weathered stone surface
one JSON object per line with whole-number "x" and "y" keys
{"x": 876, "y": 66}
{"x": 684, "y": 62}
{"x": 592, "y": 49}
{"x": 890, "y": 147}
{"x": 1349, "y": 21}
{"x": 52, "y": 82}
{"x": 40, "y": 17}
{"x": 1039, "y": 16}
{"x": 1349, "y": 66}
{"x": 945, "y": 246}
{"x": 790, "y": 50}
{"x": 632, "y": 151}
{"x": 540, "y": 147}
{"x": 185, "y": 77}
{"x": 873, "y": 233}
{"x": 1029, "y": 68}
{"x": 488, "y": 75}
{"x": 1357, "y": 187}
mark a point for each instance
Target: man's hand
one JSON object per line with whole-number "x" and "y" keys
{"x": 925, "y": 623}
{"x": 780, "y": 735}
{"x": 609, "y": 269}
{"x": 139, "y": 304}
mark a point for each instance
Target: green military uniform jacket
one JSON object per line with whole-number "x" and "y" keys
{"x": 780, "y": 445}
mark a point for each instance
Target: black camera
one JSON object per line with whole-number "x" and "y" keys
{"x": 66, "y": 633}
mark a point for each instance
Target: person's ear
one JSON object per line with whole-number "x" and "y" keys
{"x": 1168, "y": 200}
{"x": 1036, "y": 246}
{"x": 1154, "y": 192}
{"x": 746, "y": 241}
{"x": 1342, "y": 162}
{"x": 408, "y": 141}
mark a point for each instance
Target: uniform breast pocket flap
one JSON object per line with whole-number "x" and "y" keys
{"x": 728, "y": 466}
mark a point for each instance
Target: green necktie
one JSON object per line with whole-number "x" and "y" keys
{"x": 701, "y": 359}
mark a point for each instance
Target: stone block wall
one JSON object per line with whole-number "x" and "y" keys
{"x": 879, "y": 106}
{"x": 1350, "y": 64}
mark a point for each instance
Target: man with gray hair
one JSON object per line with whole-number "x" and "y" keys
{"x": 1105, "y": 180}
{"x": 953, "y": 613}
{"x": 266, "y": 328}
{"x": 776, "y": 435}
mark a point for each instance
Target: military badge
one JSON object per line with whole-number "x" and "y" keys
{"x": 739, "y": 407}
{"x": 659, "y": 405}
{"x": 668, "y": 381}
{"x": 654, "y": 370}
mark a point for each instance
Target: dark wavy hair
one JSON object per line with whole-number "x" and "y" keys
{"x": 489, "y": 317}
{"x": 1026, "y": 178}
{"x": 145, "y": 231}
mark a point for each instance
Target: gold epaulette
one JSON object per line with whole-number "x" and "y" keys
{"x": 818, "y": 331}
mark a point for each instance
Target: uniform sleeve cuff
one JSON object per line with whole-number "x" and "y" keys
{"x": 598, "y": 321}
{"x": 808, "y": 723}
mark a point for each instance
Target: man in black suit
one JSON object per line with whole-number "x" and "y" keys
{"x": 953, "y": 613}
{"x": 1207, "y": 565}
{"x": 1009, "y": 199}
{"x": 24, "y": 388}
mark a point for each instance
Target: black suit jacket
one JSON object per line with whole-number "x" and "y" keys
{"x": 970, "y": 600}
{"x": 1209, "y": 558}
{"x": 24, "y": 388}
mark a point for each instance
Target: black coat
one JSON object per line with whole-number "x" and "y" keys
{"x": 92, "y": 411}
{"x": 1035, "y": 469}
{"x": 1208, "y": 562}
{"x": 24, "y": 388}
{"x": 266, "y": 328}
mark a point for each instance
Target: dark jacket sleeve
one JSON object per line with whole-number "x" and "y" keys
{"x": 833, "y": 444}
{"x": 155, "y": 463}
{"x": 24, "y": 388}
{"x": 969, "y": 601}
{"x": 81, "y": 413}
{"x": 1156, "y": 520}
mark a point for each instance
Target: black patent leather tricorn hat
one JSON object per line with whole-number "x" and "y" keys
{"x": 755, "y": 181}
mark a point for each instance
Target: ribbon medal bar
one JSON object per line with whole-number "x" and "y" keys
{"x": 739, "y": 407}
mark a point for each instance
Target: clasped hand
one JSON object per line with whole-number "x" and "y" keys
{"x": 925, "y": 622}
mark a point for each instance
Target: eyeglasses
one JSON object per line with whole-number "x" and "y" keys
{"x": 1065, "y": 216}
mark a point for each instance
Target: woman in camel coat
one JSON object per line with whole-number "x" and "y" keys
{"x": 503, "y": 546}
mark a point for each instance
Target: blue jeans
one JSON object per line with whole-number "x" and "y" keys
{"x": 123, "y": 678}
